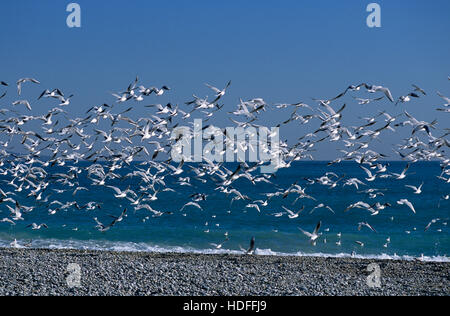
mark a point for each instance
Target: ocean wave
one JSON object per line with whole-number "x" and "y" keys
{"x": 147, "y": 248}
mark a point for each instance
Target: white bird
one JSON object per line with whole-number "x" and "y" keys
{"x": 191, "y": 204}
{"x": 321, "y": 205}
{"x": 219, "y": 93}
{"x": 418, "y": 190}
{"x": 65, "y": 101}
{"x": 219, "y": 246}
{"x": 446, "y": 99}
{"x": 23, "y": 102}
{"x": 402, "y": 175}
{"x": 371, "y": 177}
{"x": 255, "y": 206}
{"x": 364, "y": 206}
{"x": 121, "y": 194}
{"x": 355, "y": 182}
{"x": 291, "y": 214}
{"x": 34, "y": 226}
{"x": 386, "y": 91}
{"x": 360, "y": 225}
{"x": 103, "y": 228}
{"x": 160, "y": 92}
{"x": 314, "y": 235}
{"x": 16, "y": 212}
{"x": 7, "y": 220}
{"x": 21, "y": 81}
{"x": 416, "y": 88}
{"x": 14, "y": 244}
{"x": 407, "y": 203}
{"x": 434, "y": 221}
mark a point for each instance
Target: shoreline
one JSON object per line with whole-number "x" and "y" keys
{"x": 55, "y": 272}
{"x": 229, "y": 252}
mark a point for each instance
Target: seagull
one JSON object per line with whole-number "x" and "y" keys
{"x": 403, "y": 174}
{"x": 255, "y": 206}
{"x": 407, "y": 98}
{"x": 371, "y": 177}
{"x": 16, "y": 212}
{"x": 386, "y": 91}
{"x": 314, "y": 235}
{"x": 65, "y": 101}
{"x": 251, "y": 249}
{"x": 34, "y": 226}
{"x": 407, "y": 203}
{"x": 355, "y": 182}
{"x": 291, "y": 214}
{"x": 191, "y": 204}
{"x": 122, "y": 98}
{"x": 433, "y": 221}
{"x": 416, "y": 88}
{"x": 360, "y": 225}
{"x": 388, "y": 241}
{"x": 103, "y": 228}
{"x": 22, "y": 81}
{"x": 364, "y": 206}
{"x": 367, "y": 101}
{"x": 321, "y": 205}
{"x": 219, "y": 246}
{"x": 119, "y": 194}
{"x": 7, "y": 220}
{"x": 160, "y": 92}
{"x": 14, "y": 244}
{"x": 219, "y": 93}
{"x": 447, "y": 100}
{"x": 417, "y": 190}
{"x": 23, "y": 102}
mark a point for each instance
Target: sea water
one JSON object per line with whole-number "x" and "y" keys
{"x": 195, "y": 230}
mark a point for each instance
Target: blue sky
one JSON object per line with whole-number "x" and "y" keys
{"x": 283, "y": 51}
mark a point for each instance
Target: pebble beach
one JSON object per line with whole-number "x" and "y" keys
{"x": 36, "y": 272}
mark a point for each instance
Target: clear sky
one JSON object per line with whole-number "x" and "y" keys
{"x": 282, "y": 51}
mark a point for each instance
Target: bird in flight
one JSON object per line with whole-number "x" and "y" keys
{"x": 314, "y": 235}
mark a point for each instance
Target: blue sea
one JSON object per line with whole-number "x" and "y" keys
{"x": 195, "y": 230}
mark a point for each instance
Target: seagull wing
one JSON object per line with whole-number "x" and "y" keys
{"x": 316, "y": 230}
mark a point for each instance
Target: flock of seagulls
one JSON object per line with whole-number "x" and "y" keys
{"x": 121, "y": 148}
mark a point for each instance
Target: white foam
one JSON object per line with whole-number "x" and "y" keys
{"x": 143, "y": 247}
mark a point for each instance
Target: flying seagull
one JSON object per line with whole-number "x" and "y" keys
{"x": 385, "y": 90}
{"x": 22, "y": 81}
{"x": 407, "y": 203}
{"x": 219, "y": 93}
{"x": 23, "y": 102}
{"x": 116, "y": 220}
{"x": 251, "y": 249}
{"x": 34, "y": 226}
{"x": 314, "y": 235}
{"x": 418, "y": 190}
